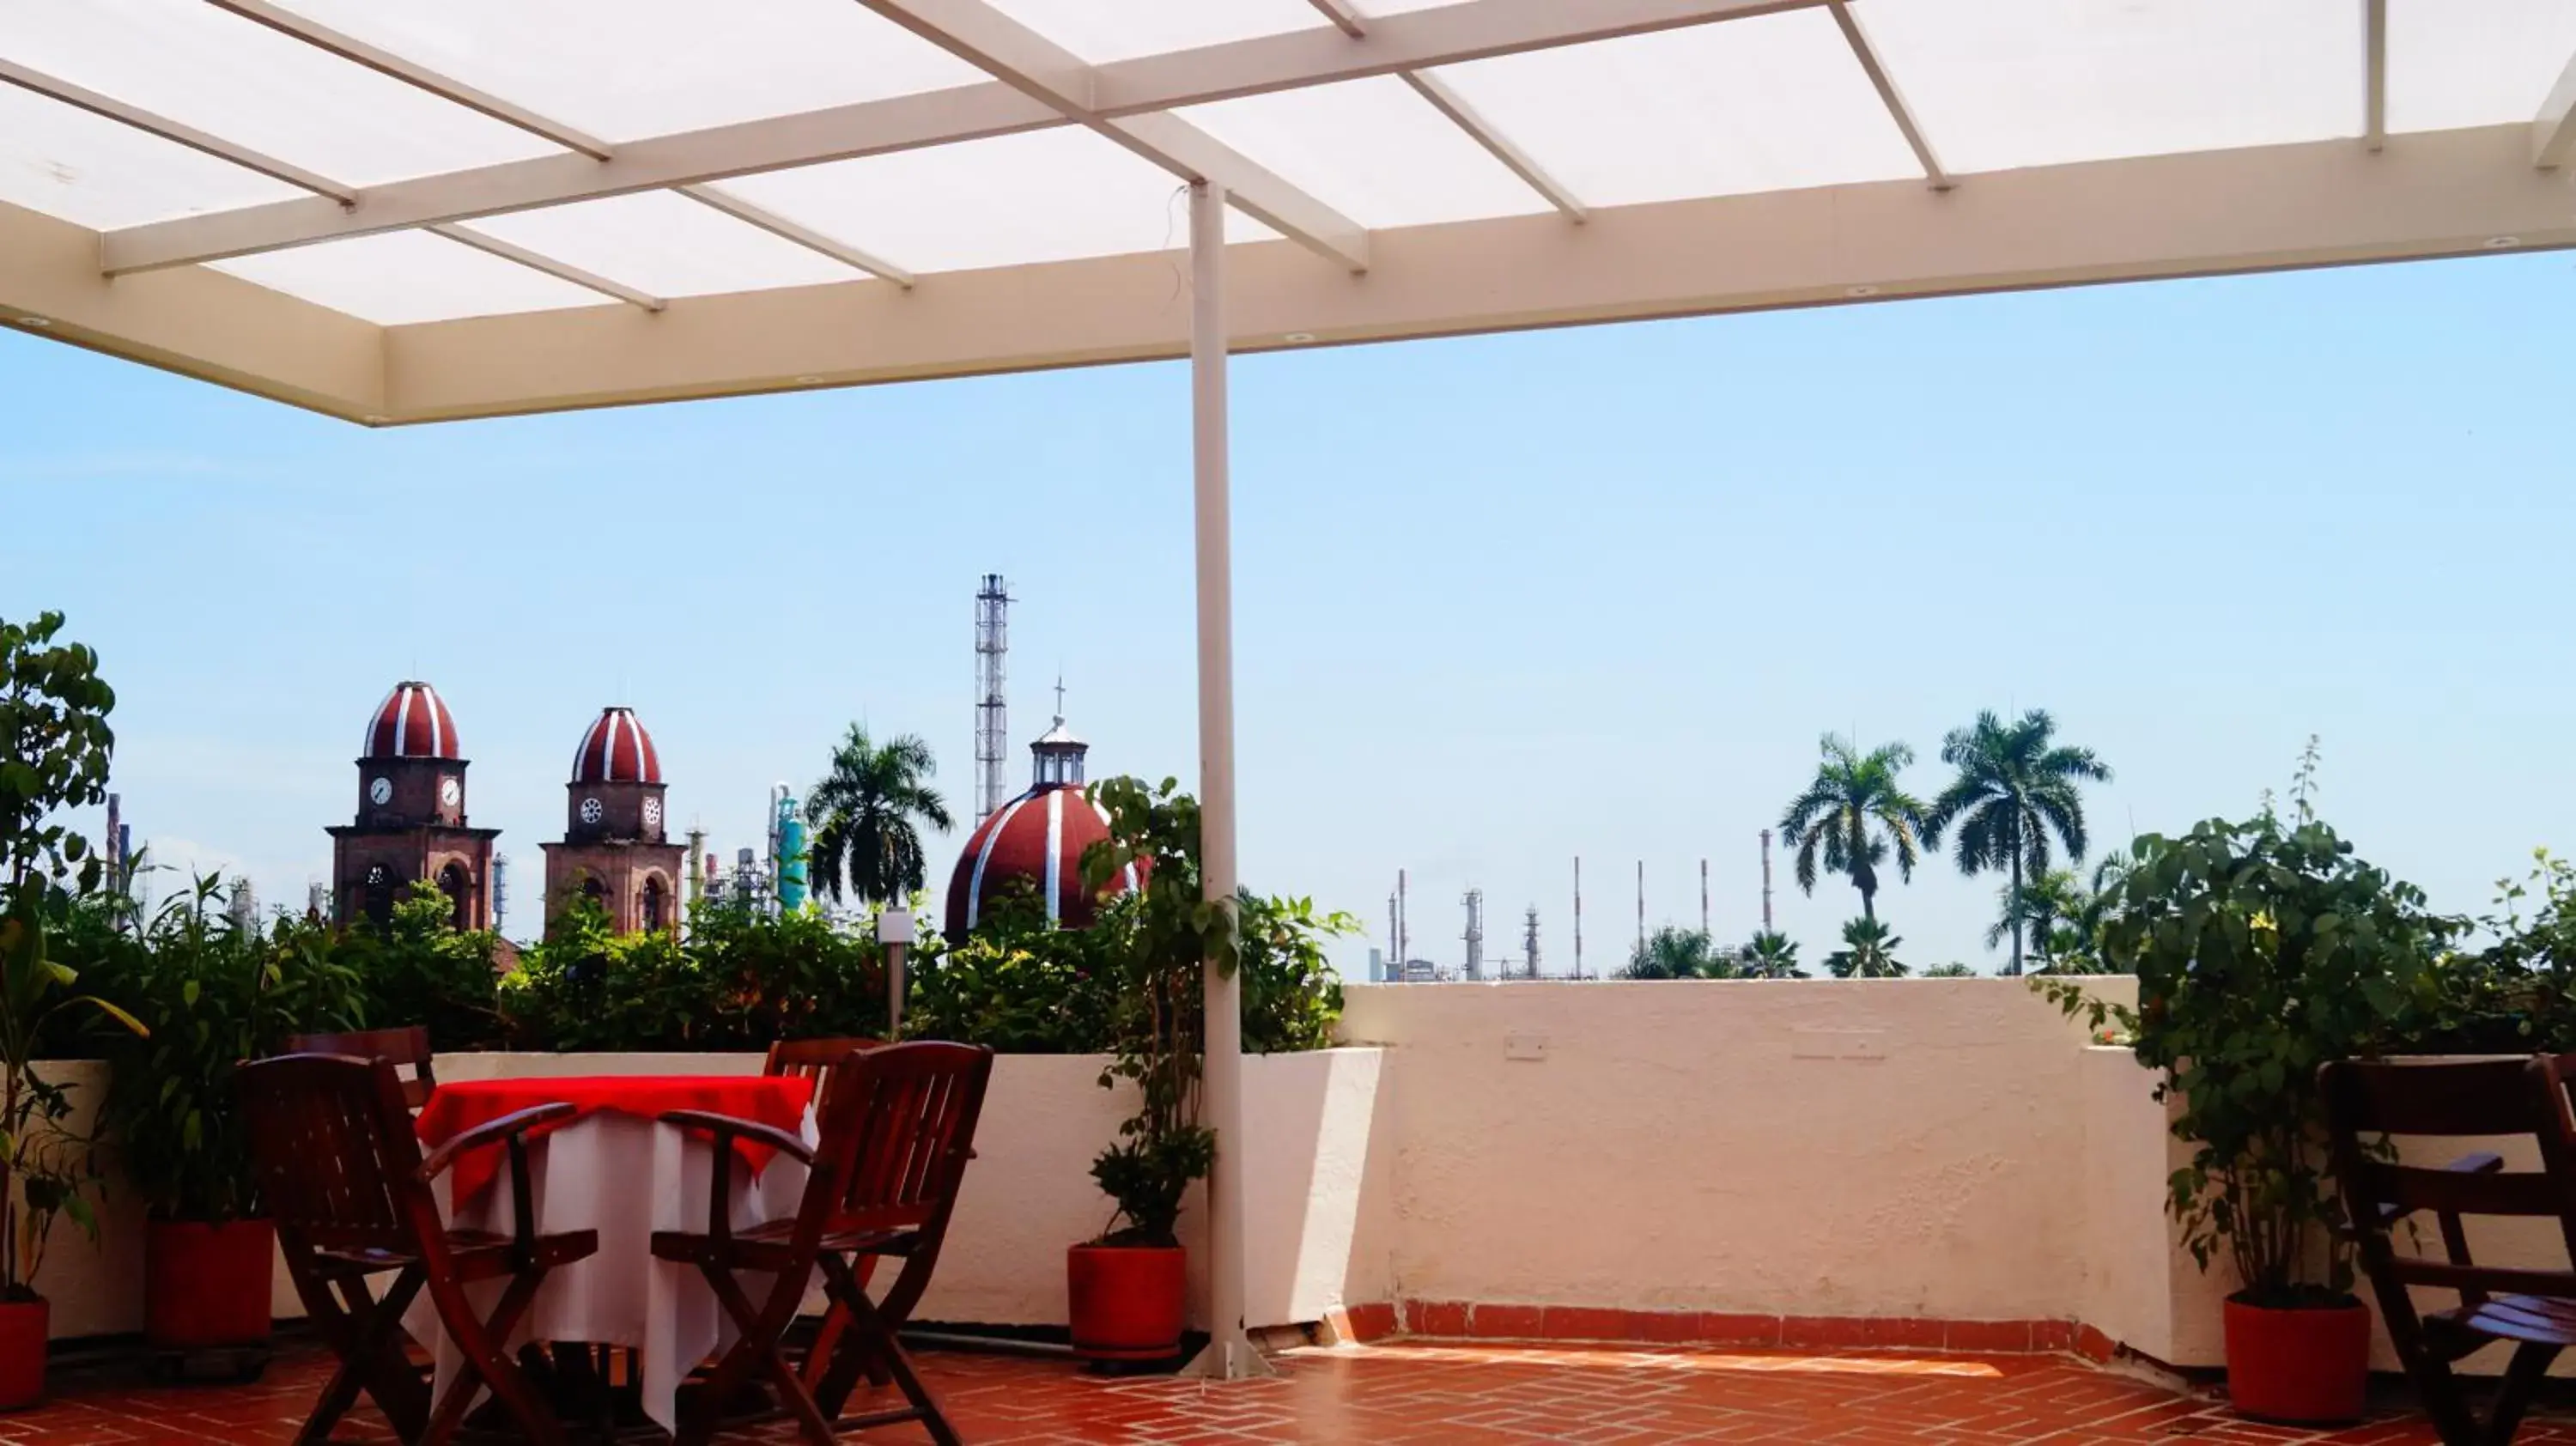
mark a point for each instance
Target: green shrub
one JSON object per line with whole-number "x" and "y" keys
{"x": 1291, "y": 997}
{"x": 420, "y": 970}
{"x": 739, "y": 981}
{"x": 1022, "y": 987}
{"x": 213, "y": 995}
{"x": 2262, "y": 951}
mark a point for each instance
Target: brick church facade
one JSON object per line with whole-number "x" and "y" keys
{"x": 411, "y": 824}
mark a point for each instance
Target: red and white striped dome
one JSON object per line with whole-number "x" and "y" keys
{"x": 412, "y": 722}
{"x": 616, "y": 750}
{"x": 1038, "y": 836}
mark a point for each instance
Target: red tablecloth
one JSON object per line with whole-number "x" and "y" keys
{"x": 455, "y": 1108}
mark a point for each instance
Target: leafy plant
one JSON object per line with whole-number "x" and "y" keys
{"x": 1952, "y": 970}
{"x": 2262, "y": 951}
{"x": 55, "y": 747}
{"x": 1291, "y": 996}
{"x": 1853, "y": 816}
{"x": 1174, "y": 933}
{"x": 1868, "y": 952}
{"x": 2016, "y": 788}
{"x": 44, "y": 1165}
{"x": 213, "y": 994}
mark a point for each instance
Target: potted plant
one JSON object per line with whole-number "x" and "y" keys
{"x": 213, "y": 993}
{"x": 1126, "y": 1291}
{"x": 54, "y": 750}
{"x": 2263, "y": 951}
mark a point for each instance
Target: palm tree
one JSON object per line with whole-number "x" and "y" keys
{"x": 1853, "y": 815}
{"x": 2016, "y": 787}
{"x": 1771, "y": 956}
{"x": 1952, "y": 970}
{"x": 1868, "y": 952}
{"x": 2042, "y": 907}
{"x": 1674, "y": 953}
{"x": 867, "y": 815}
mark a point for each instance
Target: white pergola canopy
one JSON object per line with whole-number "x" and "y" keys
{"x": 408, "y": 210}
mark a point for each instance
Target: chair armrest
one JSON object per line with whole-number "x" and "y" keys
{"x": 729, "y": 1127}
{"x": 516, "y": 1123}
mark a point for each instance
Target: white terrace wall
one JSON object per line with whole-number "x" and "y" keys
{"x": 1311, "y": 1122}
{"x": 1945, "y": 1150}
{"x": 1903, "y": 1148}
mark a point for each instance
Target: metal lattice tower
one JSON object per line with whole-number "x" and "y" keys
{"x": 1529, "y": 939}
{"x": 1475, "y": 935}
{"x": 992, "y": 713}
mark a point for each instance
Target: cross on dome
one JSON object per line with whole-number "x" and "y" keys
{"x": 1057, "y": 755}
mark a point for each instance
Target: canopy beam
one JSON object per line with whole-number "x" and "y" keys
{"x": 560, "y": 270}
{"x": 1345, "y": 19}
{"x": 2374, "y": 75}
{"x": 1483, "y": 132}
{"x": 1897, "y": 110}
{"x": 1417, "y": 40}
{"x": 335, "y": 194}
{"x": 986, "y": 38}
{"x": 805, "y": 236}
{"x": 384, "y": 62}
{"x": 331, "y": 191}
{"x": 447, "y": 88}
{"x": 2553, "y": 131}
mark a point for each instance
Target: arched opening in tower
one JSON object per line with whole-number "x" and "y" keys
{"x": 460, "y": 904}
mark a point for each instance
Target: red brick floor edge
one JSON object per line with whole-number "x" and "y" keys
{"x": 1497, "y": 1321}
{"x": 1409, "y": 1393}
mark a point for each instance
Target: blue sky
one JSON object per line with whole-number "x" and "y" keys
{"x": 1500, "y": 601}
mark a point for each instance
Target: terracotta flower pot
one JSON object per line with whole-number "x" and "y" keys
{"x": 23, "y": 1328}
{"x": 206, "y": 1286}
{"x": 1126, "y": 1300}
{"x": 2306, "y": 1366}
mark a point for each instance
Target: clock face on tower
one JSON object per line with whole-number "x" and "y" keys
{"x": 451, "y": 792}
{"x": 652, "y": 813}
{"x": 380, "y": 792}
{"x": 591, "y": 812}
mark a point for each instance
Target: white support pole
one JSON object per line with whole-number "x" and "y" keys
{"x": 1230, "y": 1355}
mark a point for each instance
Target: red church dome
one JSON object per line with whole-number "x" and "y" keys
{"x": 616, "y": 750}
{"x": 412, "y": 722}
{"x": 1038, "y": 837}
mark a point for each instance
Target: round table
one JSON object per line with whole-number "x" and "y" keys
{"x": 612, "y": 1169}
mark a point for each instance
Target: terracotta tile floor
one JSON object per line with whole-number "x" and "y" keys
{"x": 1396, "y": 1393}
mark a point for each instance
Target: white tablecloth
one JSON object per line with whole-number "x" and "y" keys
{"x": 624, "y": 1177}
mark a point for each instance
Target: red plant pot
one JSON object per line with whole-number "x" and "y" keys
{"x": 206, "y": 1286}
{"x": 23, "y": 1327}
{"x": 2306, "y": 1366}
{"x": 1126, "y": 1300}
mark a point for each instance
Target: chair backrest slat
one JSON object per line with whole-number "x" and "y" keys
{"x": 408, "y": 1045}
{"x": 815, "y": 1059}
{"x": 897, "y": 1126}
{"x": 332, "y": 1144}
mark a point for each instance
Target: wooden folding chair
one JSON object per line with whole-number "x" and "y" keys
{"x": 408, "y": 1045}
{"x": 342, "y": 1174}
{"x": 897, "y": 1126}
{"x": 2368, "y": 1107}
{"x": 814, "y": 1059}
